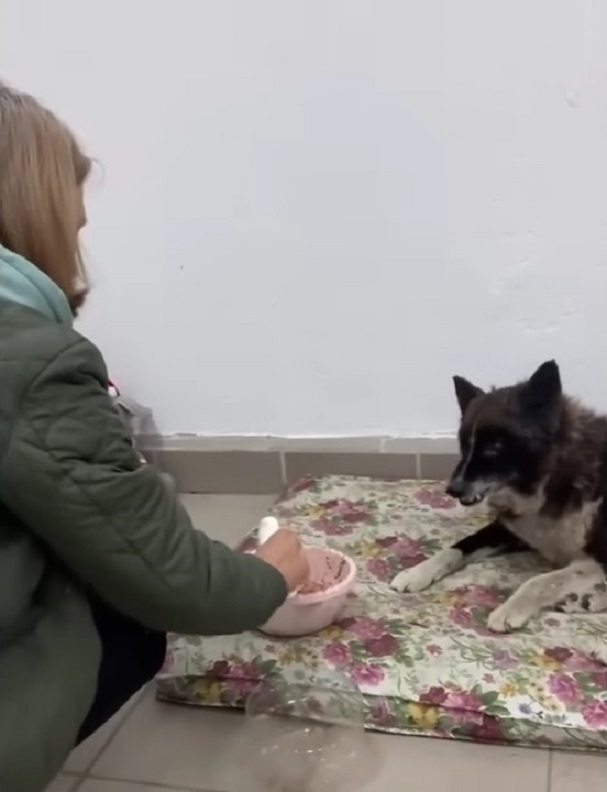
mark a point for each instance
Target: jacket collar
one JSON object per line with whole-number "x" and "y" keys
{"x": 23, "y": 283}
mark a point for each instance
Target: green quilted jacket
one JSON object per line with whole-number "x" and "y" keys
{"x": 78, "y": 512}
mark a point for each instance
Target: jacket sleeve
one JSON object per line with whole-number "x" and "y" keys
{"x": 71, "y": 475}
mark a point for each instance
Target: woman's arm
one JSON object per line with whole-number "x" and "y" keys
{"x": 72, "y": 476}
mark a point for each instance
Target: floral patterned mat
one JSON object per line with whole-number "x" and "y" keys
{"x": 426, "y": 663}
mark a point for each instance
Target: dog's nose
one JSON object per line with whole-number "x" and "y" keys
{"x": 455, "y": 488}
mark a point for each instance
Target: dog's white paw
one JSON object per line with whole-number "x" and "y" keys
{"x": 422, "y": 576}
{"x": 508, "y": 617}
{"x": 413, "y": 580}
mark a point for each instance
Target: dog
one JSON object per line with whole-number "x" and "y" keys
{"x": 539, "y": 460}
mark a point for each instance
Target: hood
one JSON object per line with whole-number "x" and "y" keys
{"x": 23, "y": 283}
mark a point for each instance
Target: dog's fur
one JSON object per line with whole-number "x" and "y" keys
{"x": 540, "y": 460}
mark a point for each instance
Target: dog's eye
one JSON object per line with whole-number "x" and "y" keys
{"x": 492, "y": 450}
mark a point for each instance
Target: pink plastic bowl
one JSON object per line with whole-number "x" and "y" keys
{"x": 303, "y": 614}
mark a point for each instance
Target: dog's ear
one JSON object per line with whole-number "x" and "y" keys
{"x": 541, "y": 394}
{"x": 465, "y": 392}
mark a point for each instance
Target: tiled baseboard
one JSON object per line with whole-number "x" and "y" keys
{"x": 260, "y": 465}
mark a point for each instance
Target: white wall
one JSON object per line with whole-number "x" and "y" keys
{"x": 314, "y": 212}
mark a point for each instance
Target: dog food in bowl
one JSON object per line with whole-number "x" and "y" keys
{"x": 319, "y": 601}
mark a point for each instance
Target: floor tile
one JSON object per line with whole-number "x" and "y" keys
{"x": 84, "y": 755}
{"x": 175, "y": 746}
{"x": 96, "y": 785}
{"x": 227, "y": 517}
{"x": 572, "y": 772}
{"x": 64, "y": 783}
{"x": 421, "y": 763}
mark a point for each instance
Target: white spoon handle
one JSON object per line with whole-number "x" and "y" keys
{"x": 267, "y": 528}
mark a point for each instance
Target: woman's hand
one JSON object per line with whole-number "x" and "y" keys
{"x": 284, "y": 552}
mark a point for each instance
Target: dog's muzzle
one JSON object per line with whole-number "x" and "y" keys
{"x": 467, "y": 494}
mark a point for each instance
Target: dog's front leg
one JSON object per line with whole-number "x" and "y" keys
{"x": 489, "y": 541}
{"x": 544, "y": 592}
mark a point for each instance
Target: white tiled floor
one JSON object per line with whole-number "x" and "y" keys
{"x": 152, "y": 747}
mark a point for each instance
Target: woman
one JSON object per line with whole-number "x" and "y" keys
{"x": 98, "y": 559}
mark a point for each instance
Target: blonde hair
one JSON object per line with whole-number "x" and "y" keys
{"x": 42, "y": 171}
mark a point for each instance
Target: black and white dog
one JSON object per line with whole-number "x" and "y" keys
{"x": 539, "y": 459}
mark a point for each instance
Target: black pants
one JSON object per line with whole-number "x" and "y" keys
{"x": 131, "y": 657}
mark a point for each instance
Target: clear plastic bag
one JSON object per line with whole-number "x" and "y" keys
{"x": 303, "y": 738}
{"x": 139, "y": 421}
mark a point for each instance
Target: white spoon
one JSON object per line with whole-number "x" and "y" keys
{"x": 267, "y": 528}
